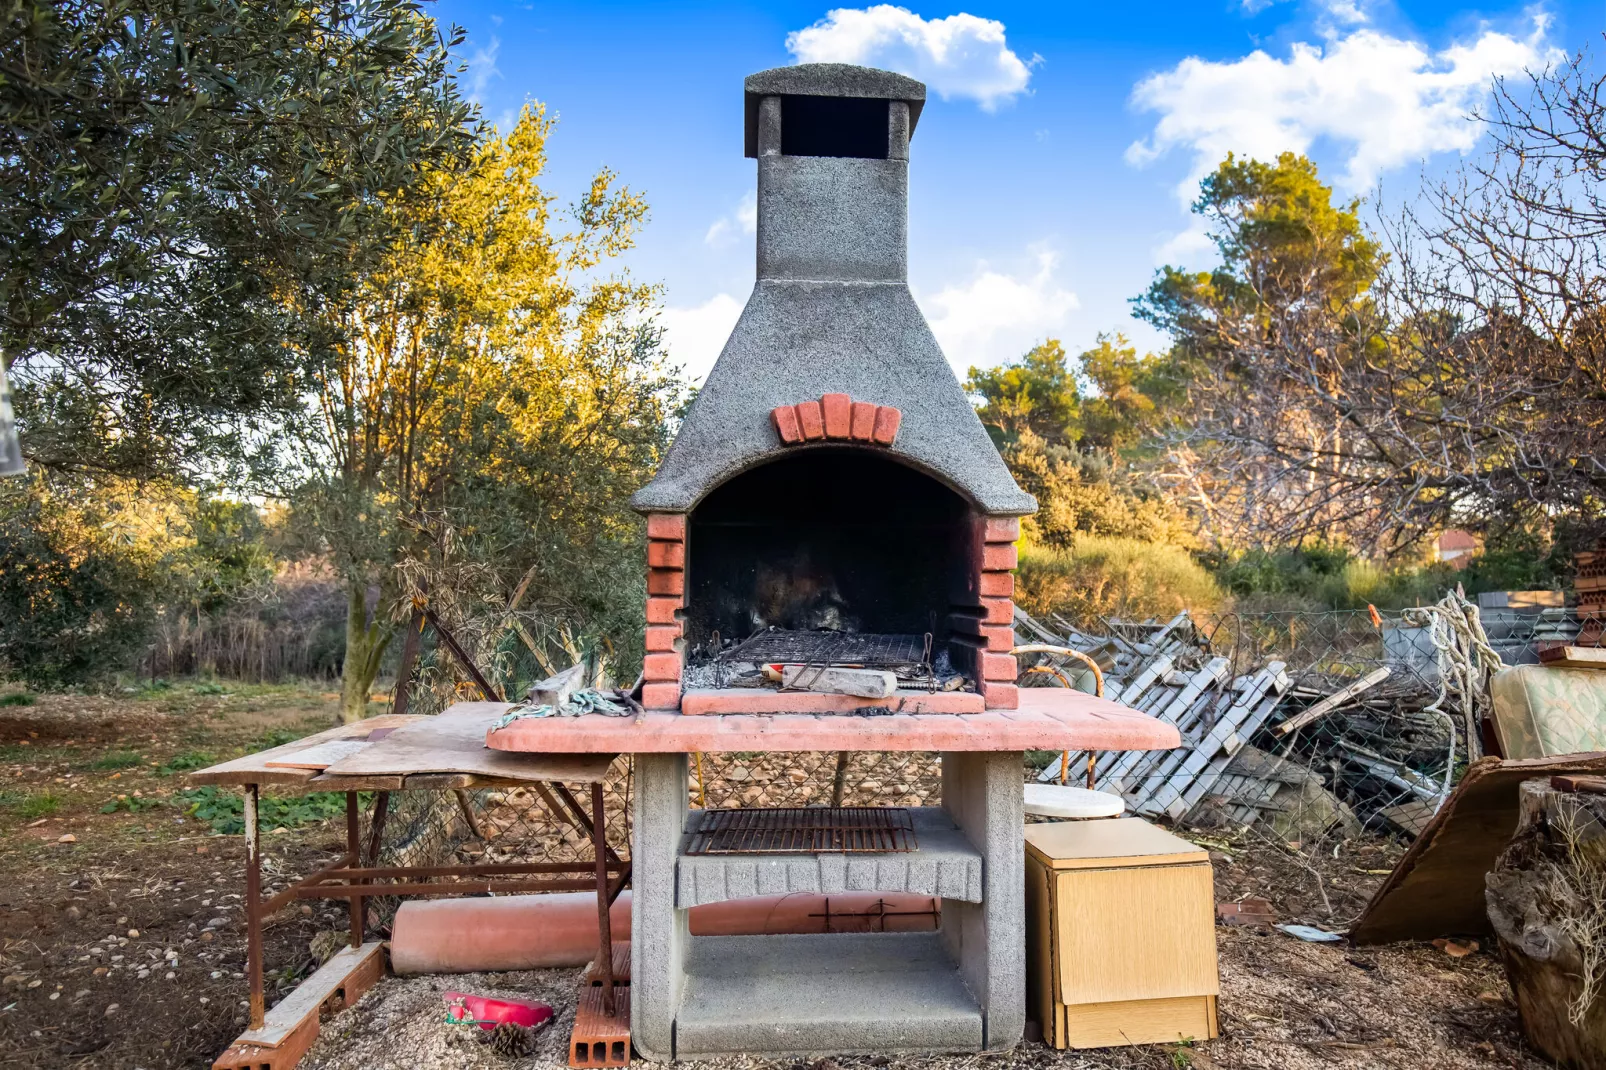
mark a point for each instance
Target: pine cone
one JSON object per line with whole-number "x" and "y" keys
{"x": 511, "y": 1040}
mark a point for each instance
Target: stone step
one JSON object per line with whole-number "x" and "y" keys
{"x": 824, "y": 994}
{"x": 943, "y": 864}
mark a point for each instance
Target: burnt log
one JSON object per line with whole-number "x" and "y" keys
{"x": 1547, "y": 904}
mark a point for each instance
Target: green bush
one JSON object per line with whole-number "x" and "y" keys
{"x": 18, "y": 698}
{"x": 224, "y": 810}
{"x": 1101, "y": 576}
{"x": 112, "y": 760}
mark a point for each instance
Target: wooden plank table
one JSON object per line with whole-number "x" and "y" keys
{"x": 411, "y": 752}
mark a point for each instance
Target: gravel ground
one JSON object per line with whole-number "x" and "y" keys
{"x": 1285, "y": 1005}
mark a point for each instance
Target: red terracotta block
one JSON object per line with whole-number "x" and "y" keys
{"x": 666, "y": 581}
{"x": 998, "y": 611}
{"x": 863, "y": 429}
{"x": 812, "y": 419}
{"x": 661, "y": 554}
{"x": 660, "y": 696}
{"x": 661, "y": 638}
{"x": 1001, "y": 639}
{"x": 999, "y": 667}
{"x": 1001, "y": 529}
{"x": 998, "y": 557}
{"x": 1049, "y": 718}
{"x": 663, "y": 610}
{"x": 661, "y": 668}
{"x": 887, "y": 420}
{"x": 1001, "y": 696}
{"x": 670, "y": 526}
{"x": 786, "y": 424}
{"x": 838, "y": 415}
{"x": 997, "y": 584}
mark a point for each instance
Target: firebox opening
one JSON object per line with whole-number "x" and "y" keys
{"x": 835, "y": 542}
{"x": 834, "y": 126}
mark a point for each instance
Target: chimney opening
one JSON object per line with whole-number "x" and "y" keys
{"x": 851, "y": 127}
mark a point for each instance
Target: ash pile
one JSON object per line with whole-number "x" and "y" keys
{"x": 1296, "y": 725}
{"x": 868, "y": 665}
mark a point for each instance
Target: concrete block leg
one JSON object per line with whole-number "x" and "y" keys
{"x": 658, "y": 932}
{"x": 983, "y": 793}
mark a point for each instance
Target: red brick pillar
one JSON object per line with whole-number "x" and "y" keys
{"x": 996, "y": 669}
{"x": 666, "y": 595}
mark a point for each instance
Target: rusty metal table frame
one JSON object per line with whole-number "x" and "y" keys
{"x": 347, "y": 878}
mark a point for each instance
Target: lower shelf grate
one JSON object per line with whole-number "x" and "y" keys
{"x": 804, "y": 830}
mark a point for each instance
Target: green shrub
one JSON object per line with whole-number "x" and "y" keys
{"x": 183, "y": 763}
{"x": 1113, "y": 576}
{"x": 224, "y": 810}
{"x": 18, "y": 698}
{"x": 113, "y": 760}
{"x": 30, "y": 806}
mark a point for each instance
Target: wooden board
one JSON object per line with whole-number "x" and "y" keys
{"x": 454, "y": 742}
{"x": 1146, "y": 932}
{"x": 1437, "y": 887}
{"x": 321, "y": 756}
{"x": 1139, "y": 1021}
{"x": 1119, "y": 841}
{"x": 1574, "y": 657}
{"x": 254, "y": 768}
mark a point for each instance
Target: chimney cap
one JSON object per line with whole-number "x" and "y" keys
{"x": 828, "y": 80}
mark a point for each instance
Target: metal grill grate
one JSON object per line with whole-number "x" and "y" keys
{"x": 804, "y": 830}
{"x": 831, "y": 648}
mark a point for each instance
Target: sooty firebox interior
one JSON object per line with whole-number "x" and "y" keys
{"x": 841, "y": 539}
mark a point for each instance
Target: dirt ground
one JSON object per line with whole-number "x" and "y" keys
{"x": 122, "y": 944}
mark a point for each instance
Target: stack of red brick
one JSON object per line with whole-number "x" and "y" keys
{"x": 1590, "y": 583}
{"x": 666, "y": 595}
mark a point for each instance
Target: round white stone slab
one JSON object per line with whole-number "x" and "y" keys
{"x": 1062, "y": 800}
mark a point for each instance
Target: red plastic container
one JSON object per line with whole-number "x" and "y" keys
{"x": 488, "y": 1013}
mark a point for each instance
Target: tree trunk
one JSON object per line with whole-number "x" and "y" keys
{"x": 1543, "y": 897}
{"x": 366, "y": 640}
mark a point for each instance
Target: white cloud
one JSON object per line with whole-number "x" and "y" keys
{"x": 482, "y": 69}
{"x": 995, "y": 316}
{"x": 743, "y": 219}
{"x": 694, "y": 336}
{"x": 1191, "y": 248}
{"x": 1346, "y": 11}
{"x": 1387, "y": 101}
{"x": 959, "y": 56}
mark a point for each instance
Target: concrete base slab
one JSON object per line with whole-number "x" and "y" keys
{"x": 823, "y": 994}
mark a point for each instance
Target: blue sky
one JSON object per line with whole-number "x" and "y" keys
{"x": 1052, "y": 166}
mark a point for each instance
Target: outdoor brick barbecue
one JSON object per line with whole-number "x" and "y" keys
{"x": 832, "y": 500}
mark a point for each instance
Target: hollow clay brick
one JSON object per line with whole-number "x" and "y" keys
{"x": 998, "y": 557}
{"x": 660, "y": 696}
{"x": 660, "y": 668}
{"x": 671, "y": 526}
{"x": 661, "y": 554}
{"x": 999, "y": 667}
{"x": 998, "y": 611}
{"x": 666, "y": 581}
{"x": 786, "y": 424}
{"x": 997, "y": 584}
{"x": 663, "y": 610}
{"x": 1000, "y": 696}
{"x": 863, "y": 427}
{"x": 661, "y": 638}
{"x": 812, "y": 419}
{"x": 887, "y": 420}
{"x": 1002, "y": 529}
{"x": 838, "y": 415}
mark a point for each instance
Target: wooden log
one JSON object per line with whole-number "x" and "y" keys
{"x": 1541, "y": 908}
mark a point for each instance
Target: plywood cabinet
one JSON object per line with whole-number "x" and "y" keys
{"x": 1121, "y": 943}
